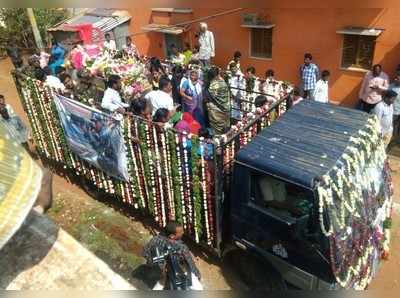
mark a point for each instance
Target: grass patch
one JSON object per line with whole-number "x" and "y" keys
{"x": 57, "y": 207}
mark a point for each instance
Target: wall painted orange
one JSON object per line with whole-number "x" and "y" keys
{"x": 296, "y": 32}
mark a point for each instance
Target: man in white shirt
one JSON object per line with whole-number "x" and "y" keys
{"x": 162, "y": 98}
{"x": 109, "y": 44}
{"x": 53, "y": 81}
{"x": 321, "y": 88}
{"x": 384, "y": 111}
{"x": 112, "y": 99}
{"x": 207, "y": 46}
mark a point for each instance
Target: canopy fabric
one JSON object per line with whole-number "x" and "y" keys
{"x": 304, "y": 143}
{"x": 20, "y": 182}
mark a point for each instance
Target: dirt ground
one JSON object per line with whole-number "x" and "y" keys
{"x": 118, "y": 237}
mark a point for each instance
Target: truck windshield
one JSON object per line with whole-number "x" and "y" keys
{"x": 280, "y": 198}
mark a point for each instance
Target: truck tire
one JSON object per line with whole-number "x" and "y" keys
{"x": 254, "y": 272}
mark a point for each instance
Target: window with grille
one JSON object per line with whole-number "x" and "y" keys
{"x": 261, "y": 43}
{"x": 358, "y": 51}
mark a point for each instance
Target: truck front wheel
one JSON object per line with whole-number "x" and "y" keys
{"x": 254, "y": 272}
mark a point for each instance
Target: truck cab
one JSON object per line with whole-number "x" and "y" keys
{"x": 274, "y": 202}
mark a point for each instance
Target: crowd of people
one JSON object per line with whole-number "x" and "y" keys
{"x": 193, "y": 96}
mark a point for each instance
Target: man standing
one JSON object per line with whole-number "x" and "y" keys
{"x": 384, "y": 111}
{"x": 109, "y": 44}
{"x": 321, "y": 88}
{"x": 112, "y": 99}
{"x": 395, "y": 86}
{"x": 166, "y": 247}
{"x": 375, "y": 83}
{"x": 130, "y": 48}
{"x": 207, "y": 46}
{"x": 309, "y": 74}
{"x": 162, "y": 98}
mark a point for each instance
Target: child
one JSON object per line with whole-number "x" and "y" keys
{"x": 320, "y": 92}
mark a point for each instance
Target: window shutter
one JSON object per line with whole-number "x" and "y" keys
{"x": 349, "y": 52}
{"x": 366, "y": 47}
{"x": 261, "y": 42}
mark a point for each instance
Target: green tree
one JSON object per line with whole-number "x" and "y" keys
{"x": 15, "y": 24}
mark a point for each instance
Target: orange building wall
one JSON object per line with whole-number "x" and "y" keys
{"x": 296, "y": 32}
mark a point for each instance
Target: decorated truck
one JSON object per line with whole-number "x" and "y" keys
{"x": 301, "y": 195}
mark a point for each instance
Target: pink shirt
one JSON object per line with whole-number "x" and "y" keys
{"x": 370, "y": 95}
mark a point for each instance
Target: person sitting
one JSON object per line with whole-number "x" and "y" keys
{"x": 53, "y": 81}
{"x": 176, "y": 57}
{"x": 112, "y": 100}
{"x": 162, "y": 98}
{"x": 195, "y": 55}
{"x": 40, "y": 75}
{"x": 218, "y": 106}
{"x": 177, "y": 78}
{"x": 188, "y": 124}
{"x": 161, "y": 117}
{"x": 141, "y": 108}
{"x": 170, "y": 240}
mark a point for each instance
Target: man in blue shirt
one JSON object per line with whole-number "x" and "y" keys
{"x": 309, "y": 75}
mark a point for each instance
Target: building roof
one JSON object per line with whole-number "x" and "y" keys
{"x": 101, "y": 18}
{"x": 304, "y": 143}
{"x": 162, "y": 28}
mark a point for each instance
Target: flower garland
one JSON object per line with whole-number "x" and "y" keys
{"x": 356, "y": 221}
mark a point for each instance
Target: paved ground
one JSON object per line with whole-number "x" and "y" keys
{"x": 41, "y": 256}
{"x": 118, "y": 238}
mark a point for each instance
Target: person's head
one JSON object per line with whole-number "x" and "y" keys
{"x": 47, "y": 70}
{"x": 161, "y": 116}
{"x": 54, "y": 43}
{"x": 84, "y": 76}
{"x": 250, "y": 71}
{"x": 67, "y": 81}
{"x": 107, "y": 36}
{"x": 40, "y": 74}
{"x": 296, "y": 92}
{"x": 114, "y": 82}
{"x": 307, "y": 58}
{"x": 174, "y": 230}
{"x": 396, "y": 79}
{"x": 128, "y": 40}
{"x": 260, "y": 101}
{"x": 141, "y": 107}
{"x": 389, "y": 97}
{"x": 164, "y": 84}
{"x": 269, "y": 74}
{"x": 34, "y": 61}
{"x": 60, "y": 70}
{"x": 205, "y": 133}
{"x": 194, "y": 76}
{"x": 236, "y": 56}
{"x": 178, "y": 71}
{"x": 203, "y": 27}
{"x": 213, "y": 72}
{"x": 325, "y": 75}
{"x": 2, "y": 101}
{"x": 174, "y": 49}
{"x": 196, "y": 48}
{"x": 3, "y": 109}
{"x": 376, "y": 70}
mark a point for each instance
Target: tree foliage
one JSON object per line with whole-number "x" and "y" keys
{"x": 15, "y": 24}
